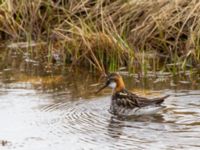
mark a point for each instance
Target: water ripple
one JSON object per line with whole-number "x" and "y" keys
{"x": 89, "y": 123}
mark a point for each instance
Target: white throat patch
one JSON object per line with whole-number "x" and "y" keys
{"x": 112, "y": 85}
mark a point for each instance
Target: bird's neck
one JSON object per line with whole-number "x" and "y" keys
{"x": 120, "y": 85}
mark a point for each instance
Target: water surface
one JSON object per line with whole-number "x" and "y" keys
{"x": 58, "y": 110}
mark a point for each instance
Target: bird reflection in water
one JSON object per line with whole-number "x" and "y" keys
{"x": 117, "y": 124}
{"x": 115, "y": 127}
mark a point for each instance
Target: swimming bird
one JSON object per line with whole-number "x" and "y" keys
{"x": 126, "y": 103}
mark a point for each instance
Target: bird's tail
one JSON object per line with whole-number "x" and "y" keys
{"x": 166, "y": 96}
{"x": 161, "y": 99}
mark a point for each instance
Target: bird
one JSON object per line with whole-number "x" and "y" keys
{"x": 126, "y": 103}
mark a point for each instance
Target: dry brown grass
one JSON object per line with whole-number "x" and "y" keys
{"x": 108, "y": 34}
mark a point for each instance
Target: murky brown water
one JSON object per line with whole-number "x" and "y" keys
{"x": 58, "y": 110}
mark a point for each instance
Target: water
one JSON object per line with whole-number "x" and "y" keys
{"x": 59, "y": 110}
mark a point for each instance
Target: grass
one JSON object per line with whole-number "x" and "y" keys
{"x": 104, "y": 35}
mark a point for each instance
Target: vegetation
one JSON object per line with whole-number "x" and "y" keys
{"x": 144, "y": 35}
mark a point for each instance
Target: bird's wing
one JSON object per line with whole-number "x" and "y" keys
{"x": 131, "y": 100}
{"x": 142, "y": 101}
{"x": 126, "y": 99}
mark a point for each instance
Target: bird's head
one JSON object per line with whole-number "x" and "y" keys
{"x": 114, "y": 81}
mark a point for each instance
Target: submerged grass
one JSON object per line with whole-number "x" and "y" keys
{"x": 104, "y": 35}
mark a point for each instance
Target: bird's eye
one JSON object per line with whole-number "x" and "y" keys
{"x": 108, "y": 81}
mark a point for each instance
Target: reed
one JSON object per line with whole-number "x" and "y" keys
{"x": 104, "y": 35}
